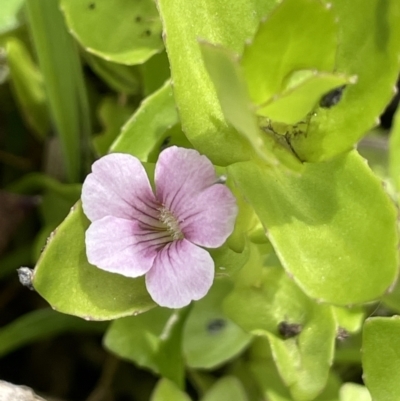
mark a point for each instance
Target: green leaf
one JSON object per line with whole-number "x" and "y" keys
{"x": 147, "y": 129}
{"x": 119, "y": 77}
{"x": 369, "y": 43}
{"x": 210, "y": 338}
{"x": 350, "y": 319}
{"x": 41, "y": 324}
{"x": 353, "y": 391}
{"x": 216, "y": 21}
{"x": 60, "y": 65}
{"x": 227, "y": 388}
{"x": 112, "y": 115}
{"x": 155, "y": 72}
{"x": 330, "y": 227}
{"x": 381, "y": 358}
{"x": 225, "y": 73}
{"x": 71, "y": 285}
{"x": 27, "y": 83}
{"x": 137, "y": 338}
{"x": 262, "y": 307}
{"x": 297, "y": 35}
{"x": 168, "y": 391}
{"x": 122, "y": 31}
{"x": 394, "y": 151}
{"x": 9, "y": 15}
{"x": 152, "y": 340}
{"x": 227, "y": 261}
{"x": 293, "y": 104}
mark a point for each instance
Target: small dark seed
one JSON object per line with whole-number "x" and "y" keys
{"x": 92, "y": 6}
{"x": 216, "y": 325}
{"x": 138, "y": 18}
{"x": 289, "y": 330}
{"x": 332, "y": 98}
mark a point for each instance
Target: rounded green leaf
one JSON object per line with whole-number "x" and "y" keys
{"x": 333, "y": 228}
{"x": 369, "y": 43}
{"x": 297, "y": 35}
{"x": 227, "y": 388}
{"x": 65, "y": 278}
{"x": 209, "y": 337}
{"x": 123, "y": 31}
{"x": 381, "y": 358}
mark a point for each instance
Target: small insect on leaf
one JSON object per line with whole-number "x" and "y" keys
{"x": 289, "y": 330}
{"x": 332, "y": 98}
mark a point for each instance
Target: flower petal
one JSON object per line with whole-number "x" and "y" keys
{"x": 210, "y": 218}
{"x": 118, "y": 186}
{"x": 182, "y": 272}
{"x": 180, "y": 175}
{"x": 120, "y": 246}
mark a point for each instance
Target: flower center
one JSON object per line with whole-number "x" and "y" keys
{"x": 171, "y": 223}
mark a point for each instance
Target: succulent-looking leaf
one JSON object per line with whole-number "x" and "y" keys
{"x": 122, "y": 31}
{"x": 332, "y": 227}
{"x": 64, "y": 277}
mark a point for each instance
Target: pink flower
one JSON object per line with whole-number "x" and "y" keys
{"x": 135, "y": 231}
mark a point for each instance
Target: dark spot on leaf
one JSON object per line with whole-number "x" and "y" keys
{"x": 25, "y": 277}
{"x": 289, "y": 330}
{"x": 138, "y": 18}
{"x": 147, "y": 32}
{"x": 92, "y": 6}
{"x": 332, "y": 98}
{"x": 216, "y": 325}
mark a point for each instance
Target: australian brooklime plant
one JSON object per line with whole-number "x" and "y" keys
{"x": 230, "y": 226}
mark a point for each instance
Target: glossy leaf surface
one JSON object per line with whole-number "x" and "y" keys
{"x": 64, "y": 277}
{"x": 123, "y": 31}
{"x": 279, "y": 48}
{"x": 330, "y": 228}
